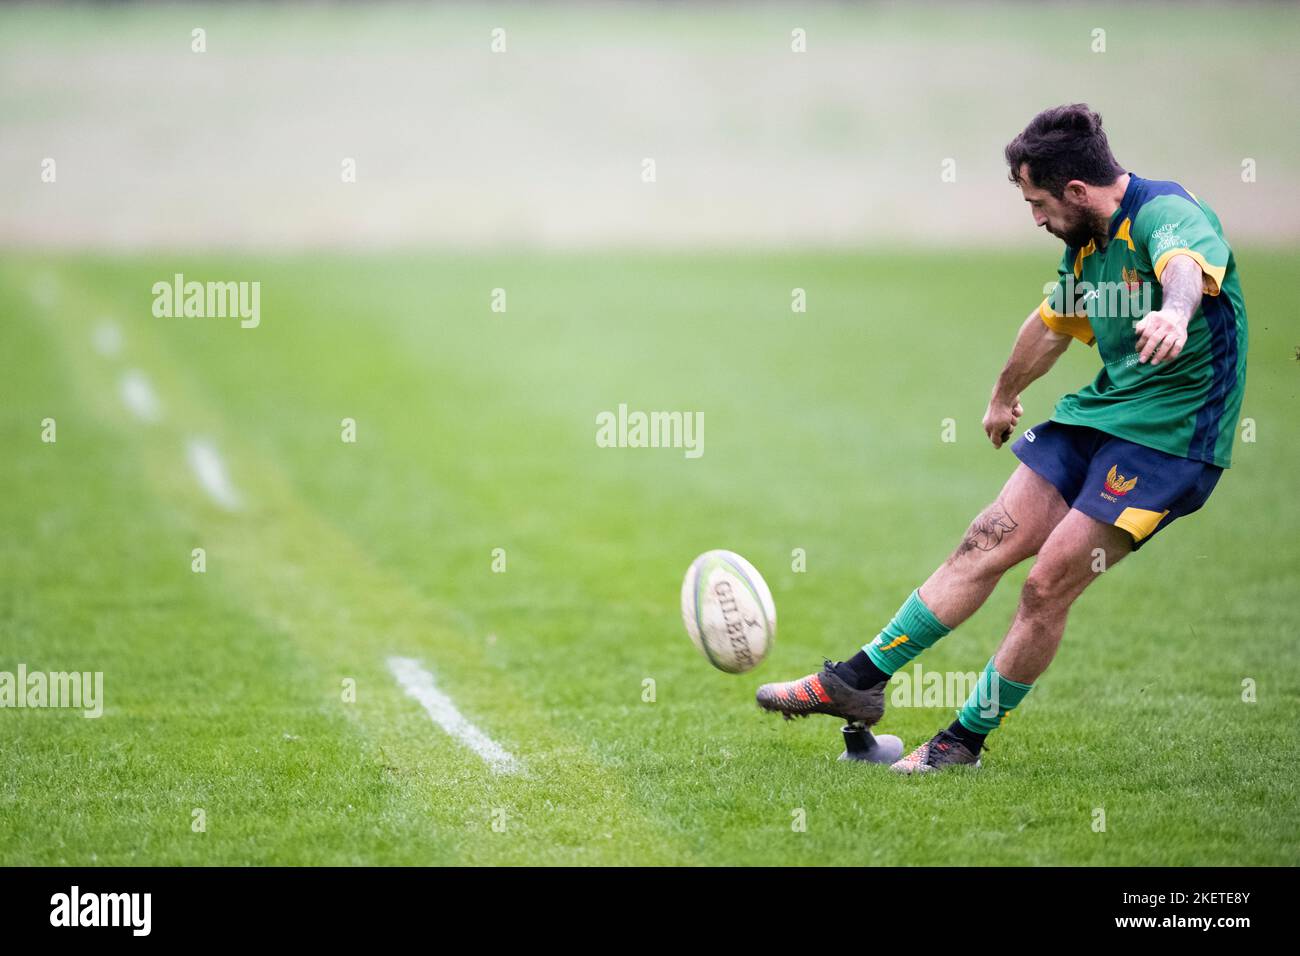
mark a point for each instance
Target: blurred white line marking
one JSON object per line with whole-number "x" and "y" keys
{"x": 418, "y": 683}
{"x": 139, "y": 396}
{"x": 211, "y": 472}
{"x": 107, "y": 339}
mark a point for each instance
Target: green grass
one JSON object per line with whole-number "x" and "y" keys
{"x": 476, "y": 431}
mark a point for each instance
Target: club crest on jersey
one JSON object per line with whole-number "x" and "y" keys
{"x": 1117, "y": 484}
{"x": 1131, "y": 280}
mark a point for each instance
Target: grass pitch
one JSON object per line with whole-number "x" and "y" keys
{"x": 475, "y": 432}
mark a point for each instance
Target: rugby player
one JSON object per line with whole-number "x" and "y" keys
{"x": 1119, "y": 460}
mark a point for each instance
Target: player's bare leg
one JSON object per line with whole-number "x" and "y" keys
{"x": 1012, "y": 528}
{"x": 1078, "y": 550}
{"x": 1009, "y": 530}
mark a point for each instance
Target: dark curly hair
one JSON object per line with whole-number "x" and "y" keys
{"x": 1061, "y": 144}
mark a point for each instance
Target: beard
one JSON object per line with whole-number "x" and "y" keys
{"x": 1080, "y": 227}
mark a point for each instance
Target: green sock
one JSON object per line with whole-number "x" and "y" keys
{"x": 913, "y": 629}
{"x": 993, "y": 696}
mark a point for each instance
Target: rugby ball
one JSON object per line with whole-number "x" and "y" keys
{"x": 728, "y": 611}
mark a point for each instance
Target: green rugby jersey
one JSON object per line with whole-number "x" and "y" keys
{"x": 1188, "y": 407}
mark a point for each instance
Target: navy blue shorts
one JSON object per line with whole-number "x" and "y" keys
{"x": 1116, "y": 481}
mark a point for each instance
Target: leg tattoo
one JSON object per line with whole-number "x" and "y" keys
{"x": 987, "y": 531}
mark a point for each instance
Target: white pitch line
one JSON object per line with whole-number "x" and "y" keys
{"x": 140, "y": 397}
{"x": 211, "y": 472}
{"x": 418, "y": 683}
{"x": 107, "y": 339}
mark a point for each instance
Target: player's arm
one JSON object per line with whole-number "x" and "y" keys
{"x": 1163, "y": 333}
{"x": 1036, "y": 350}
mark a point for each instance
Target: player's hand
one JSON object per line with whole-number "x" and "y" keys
{"x": 1000, "y": 419}
{"x": 1161, "y": 336}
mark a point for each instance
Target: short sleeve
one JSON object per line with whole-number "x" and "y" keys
{"x": 1169, "y": 226}
{"x": 1061, "y": 315}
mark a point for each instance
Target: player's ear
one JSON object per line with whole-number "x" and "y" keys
{"x": 1076, "y": 191}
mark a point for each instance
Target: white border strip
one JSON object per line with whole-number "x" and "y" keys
{"x": 418, "y": 683}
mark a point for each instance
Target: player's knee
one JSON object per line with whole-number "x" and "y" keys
{"x": 1047, "y": 590}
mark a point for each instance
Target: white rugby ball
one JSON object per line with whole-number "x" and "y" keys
{"x": 728, "y": 611}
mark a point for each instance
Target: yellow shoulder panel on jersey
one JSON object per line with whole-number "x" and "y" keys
{"x": 1123, "y": 233}
{"x": 1076, "y": 325}
{"x": 1084, "y": 253}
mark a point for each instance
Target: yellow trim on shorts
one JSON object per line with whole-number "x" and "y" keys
{"x": 1139, "y": 522}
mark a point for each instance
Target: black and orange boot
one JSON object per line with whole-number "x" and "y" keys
{"x": 824, "y": 693}
{"x": 945, "y": 749}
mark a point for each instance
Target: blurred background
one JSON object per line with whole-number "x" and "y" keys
{"x": 528, "y": 124}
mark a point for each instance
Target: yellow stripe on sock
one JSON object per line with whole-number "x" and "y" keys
{"x": 901, "y": 639}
